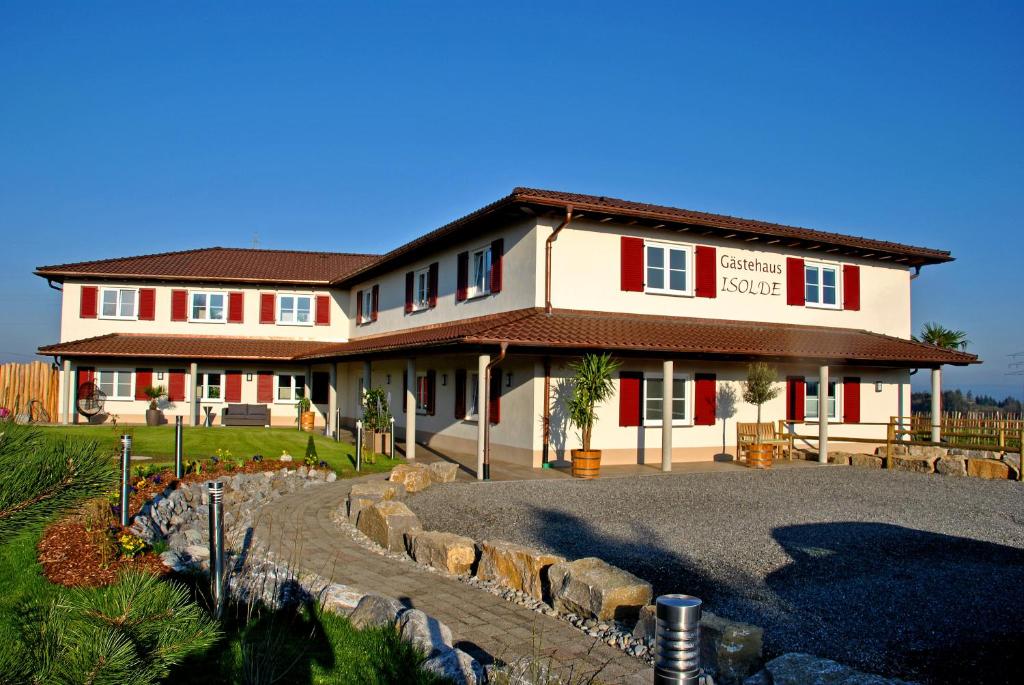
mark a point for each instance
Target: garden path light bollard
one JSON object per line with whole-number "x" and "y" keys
{"x": 391, "y": 438}
{"x": 179, "y": 470}
{"x": 677, "y": 640}
{"x": 359, "y": 445}
{"x": 216, "y": 504}
{"x": 126, "y": 456}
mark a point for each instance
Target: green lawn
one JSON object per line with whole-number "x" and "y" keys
{"x": 242, "y": 442}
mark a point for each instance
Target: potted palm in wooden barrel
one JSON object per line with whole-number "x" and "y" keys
{"x": 307, "y": 416}
{"x": 759, "y": 388}
{"x": 592, "y": 384}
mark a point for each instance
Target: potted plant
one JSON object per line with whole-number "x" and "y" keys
{"x": 154, "y": 417}
{"x": 306, "y": 415}
{"x": 592, "y": 385}
{"x": 376, "y": 419}
{"x": 759, "y": 388}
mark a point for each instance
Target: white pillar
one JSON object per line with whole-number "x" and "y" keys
{"x": 193, "y": 373}
{"x": 332, "y": 398}
{"x": 482, "y": 397}
{"x": 936, "y": 405}
{"x": 823, "y": 414}
{"x": 667, "y": 375}
{"x": 65, "y": 395}
{"x": 367, "y": 376}
{"x": 410, "y": 409}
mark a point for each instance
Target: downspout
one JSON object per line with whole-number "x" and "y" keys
{"x": 547, "y": 414}
{"x": 547, "y": 258}
{"x": 487, "y": 419}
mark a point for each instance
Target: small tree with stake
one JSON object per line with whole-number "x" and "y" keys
{"x": 760, "y": 385}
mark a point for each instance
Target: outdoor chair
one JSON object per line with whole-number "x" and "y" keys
{"x": 764, "y": 433}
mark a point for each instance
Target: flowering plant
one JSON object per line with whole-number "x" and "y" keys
{"x": 130, "y": 545}
{"x": 5, "y": 413}
{"x": 376, "y": 412}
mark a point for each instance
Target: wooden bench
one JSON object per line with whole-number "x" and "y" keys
{"x": 762, "y": 433}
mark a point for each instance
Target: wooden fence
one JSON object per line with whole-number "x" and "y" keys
{"x": 30, "y": 390}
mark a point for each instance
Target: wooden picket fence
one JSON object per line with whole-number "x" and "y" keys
{"x": 970, "y": 429}
{"x": 30, "y": 391}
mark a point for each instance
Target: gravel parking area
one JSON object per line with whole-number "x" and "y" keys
{"x": 902, "y": 574}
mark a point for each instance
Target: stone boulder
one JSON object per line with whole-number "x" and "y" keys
{"x": 593, "y": 588}
{"x": 989, "y": 469}
{"x": 446, "y": 551}
{"x": 339, "y": 599}
{"x": 1013, "y": 461}
{"x": 516, "y": 566}
{"x": 915, "y": 463}
{"x": 414, "y": 477}
{"x": 951, "y": 466}
{"x": 363, "y": 495}
{"x": 387, "y": 522}
{"x": 457, "y": 667}
{"x": 804, "y": 669}
{"x": 841, "y": 458}
{"x": 897, "y": 450}
{"x": 867, "y": 460}
{"x": 930, "y": 451}
{"x": 376, "y": 611}
{"x": 424, "y": 632}
{"x": 443, "y": 472}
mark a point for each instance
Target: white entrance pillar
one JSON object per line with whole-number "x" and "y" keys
{"x": 667, "y": 375}
{"x": 65, "y": 395}
{"x": 193, "y": 373}
{"x": 823, "y": 414}
{"x": 482, "y": 397}
{"x": 936, "y": 405}
{"x": 410, "y": 409}
{"x": 332, "y": 398}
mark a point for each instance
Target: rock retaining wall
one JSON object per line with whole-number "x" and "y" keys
{"x": 944, "y": 461}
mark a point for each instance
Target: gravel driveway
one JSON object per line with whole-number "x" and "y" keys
{"x": 895, "y": 573}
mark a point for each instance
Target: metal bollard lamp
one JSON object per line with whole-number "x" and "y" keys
{"x": 677, "y": 640}
{"x": 216, "y": 504}
{"x": 359, "y": 445}
{"x": 126, "y": 456}
{"x": 179, "y": 468}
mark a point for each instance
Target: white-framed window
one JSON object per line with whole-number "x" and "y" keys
{"x": 668, "y": 268}
{"x": 821, "y": 285}
{"x": 473, "y": 397}
{"x": 367, "y": 309}
{"x": 207, "y": 306}
{"x": 654, "y": 400}
{"x": 291, "y": 387}
{"x": 119, "y": 303}
{"x": 421, "y": 290}
{"x": 116, "y": 384}
{"x": 812, "y": 400}
{"x": 210, "y": 386}
{"x": 295, "y": 310}
{"x": 422, "y": 394}
{"x": 479, "y": 272}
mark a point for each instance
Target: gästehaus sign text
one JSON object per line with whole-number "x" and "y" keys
{"x": 755, "y": 278}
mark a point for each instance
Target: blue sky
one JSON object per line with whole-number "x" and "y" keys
{"x": 141, "y": 127}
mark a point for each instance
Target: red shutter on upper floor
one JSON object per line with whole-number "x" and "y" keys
{"x": 147, "y": 304}
{"x": 460, "y": 393}
{"x": 87, "y": 302}
{"x": 176, "y": 385}
{"x": 323, "y": 310}
{"x": 179, "y": 305}
{"x": 494, "y": 402}
{"x": 796, "y": 390}
{"x": 629, "y": 398}
{"x": 632, "y": 276}
{"x": 795, "y": 281}
{"x": 359, "y": 306}
{"x": 375, "y": 302}
{"x": 462, "y": 276}
{"x": 143, "y": 379}
{"x": 268, "y": 302}
{"x": 705, "y": 399}
{"x": 233, "y": 386}
{"x": 431, "y": 391}
{"x": 264, "y": 387}
{"x": 236, "y": 307}
{"x": 851, "y": 287}
{"x": 432, "y": 273}
{"x": 410, "y": 277}
{"x": 707, "y": 271}
{"x": 851, "y": 399}
{"x": 497, "y": 261}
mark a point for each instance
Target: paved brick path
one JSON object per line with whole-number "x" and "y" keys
{"x": 298, "y": 528}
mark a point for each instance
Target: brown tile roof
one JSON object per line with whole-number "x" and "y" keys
{"x": 183, "y": 347}
{"x": 587, "y": 330}
{"x": 228, "y": 264}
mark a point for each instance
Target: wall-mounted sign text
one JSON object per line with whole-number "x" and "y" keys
{"x": 750, "y": 285}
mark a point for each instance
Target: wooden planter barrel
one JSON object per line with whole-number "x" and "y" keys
{"x": 308, "y": 419}
{"x": 586, "y": 465}
{"x": 759, "y": 456}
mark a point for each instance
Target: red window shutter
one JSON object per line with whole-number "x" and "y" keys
{"x": 707, "y": 271}
{"x": 431, "y": 391}
{"x": 147, "y": 304}
{"x": 409, "y": 278}
{"x": 796, "y": 390}
{"x": 323, "y": 310}
{"x": 432, "y": 285}
{"x": 268, "y": 302}
{"x": 233, "y": 386}
{"x": 143, "y": 379}
{"x": 176, "y": 385}
{"x": 705, "y": 400}
{"x": 359, "y": 306}
{"x": 264, "y": 387}
{"x": 851, "y": 399}
{"x": 494, "y": 410}
{"x": 629, "y": 398}
{"x": 179, "y": 305}
{"x": 795, "y": 281}
{"x": 87, "y": 302}
{"x": 460, "y": 393}
{"x": 632, "y": 264}
{"x": 375, "y": 297}
{"x": 851, "y": 287}
{"x": 462, "y": 274}
{"x": 236, "y": 307}
{"x": 497, "y": 261}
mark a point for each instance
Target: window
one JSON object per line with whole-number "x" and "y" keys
{"x": 367, "y": 308}
{"x": 668, "y": 268}
{"x": 209, "y": 386}
{"x": 422, "y": 394}
{"x": 654, "y": 400}
{"x": 473, "y": 396}
{"x": 821, "y": 285}
{"x": 479, "y": 272}
{"x": 290, "y": 387}
{"x": 421, "y": 290}
{"x": 118, "y": 303}
{"x": 295, "y": 310}
{"x": 812, "y": 400}
{"x": 208, "y": 307}
{"x": 116, "y": 385}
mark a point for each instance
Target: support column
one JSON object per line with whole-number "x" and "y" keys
{"x": 410, "y": 408}
{"x": 367, "y": 376}
{"x": 667, "y": 376}
{"x": 936, "y": 405}
{"x": 332, "y": 398}
{"x": 482, "y": 400}
{"x": 193, "y": 374}
{"x": 823, "y": 414}
{"x": 65, "y": 395}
